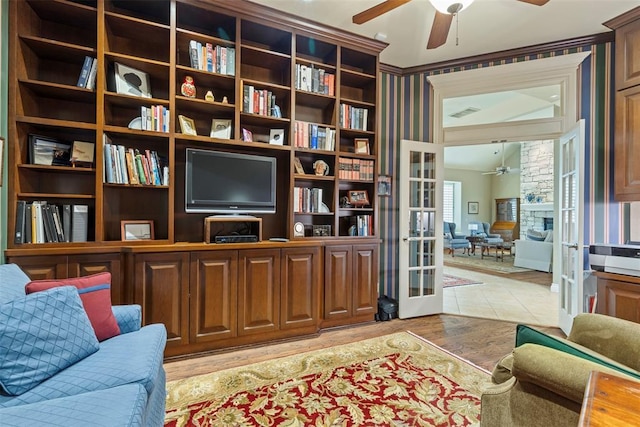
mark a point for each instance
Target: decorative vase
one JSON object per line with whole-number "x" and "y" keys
{"x": 209, "y": 96}
{"x": 188, "y": 88}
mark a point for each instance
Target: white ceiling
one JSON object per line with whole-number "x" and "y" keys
{"x": 481, "y": 158}
{"x": 486, "y": 26}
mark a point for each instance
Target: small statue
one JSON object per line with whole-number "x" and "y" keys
{"x": 188, "y": 88}
{"x": 321, "y": 168}
{"x": 225, "y": 100}
{"x": 209, "y": 96}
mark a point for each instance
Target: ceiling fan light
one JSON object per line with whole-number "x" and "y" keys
{"x": 450, "y": 6}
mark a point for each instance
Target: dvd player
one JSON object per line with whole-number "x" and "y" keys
{"x": 236, "y": 238}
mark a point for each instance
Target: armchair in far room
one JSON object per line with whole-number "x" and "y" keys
{"x": 453, "y": 240}
{"x": 483, "y": 229}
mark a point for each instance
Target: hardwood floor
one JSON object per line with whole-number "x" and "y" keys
{"x": 480, "y": 341}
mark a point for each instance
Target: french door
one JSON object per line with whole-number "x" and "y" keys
{"x": 570, "y": 173}
{"x": 421, "y": 233}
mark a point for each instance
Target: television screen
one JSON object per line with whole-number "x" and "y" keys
{"x": 220, "y": 182}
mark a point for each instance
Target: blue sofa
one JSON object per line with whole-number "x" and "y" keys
{"x": 120, "y": 384}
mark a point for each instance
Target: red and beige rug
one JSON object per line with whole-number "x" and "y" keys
{"x": 449, "y": 281}
{"x": 398, "y": 379}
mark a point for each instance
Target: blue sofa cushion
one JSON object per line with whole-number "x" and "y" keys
{"x": 42, "y": 334}
{"x": 12, "y": 282}
{"x": 119, "y": 406}
{"x": 130, "y": 358}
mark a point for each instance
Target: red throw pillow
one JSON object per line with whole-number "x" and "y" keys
{"x": 95, "y": 293}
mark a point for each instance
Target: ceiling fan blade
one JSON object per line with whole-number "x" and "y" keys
{"x": 535, "y": 2}
{"x": 439, "y": 30}
{"x": 490, "y": 173}
{"x": 377, "y": 10}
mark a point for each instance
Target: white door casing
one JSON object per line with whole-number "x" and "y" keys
{"x": 569, "y": 237}
{"x": 421, "y": 233}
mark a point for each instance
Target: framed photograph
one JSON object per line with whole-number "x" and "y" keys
{"x": 297, "y": 164}
{"x": 130, "y": 81}
{"x": 82, "y": 153}
{"x": 187, "y": 125}
{"x": 358, "y": 197}
{"x": 384, "y": 185}
{"x": 276, "y": 137}
{"x": 247, "y": 135}
{"x": 136, "y": 230}
{"x": 361, "y": 145}
{"x": 473, "y": 207}
{"x": 48, "y": 151}
{"x": 221, "y": 128}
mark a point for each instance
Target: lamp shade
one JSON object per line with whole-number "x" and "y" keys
{"x": 450, "y": 6}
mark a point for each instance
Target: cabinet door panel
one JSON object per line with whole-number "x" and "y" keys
{"x": 258, "y": 291}
{"x": 338, "y": 294}
{"x": 42, "y": 267}
{"x": 628, "y": 55}
{"x": 627, "y": 145}
{"x": 365, "y": 279}
{"x": 213, "y": 283}
{"x": 161, "y": 288}
{"x": 85, "y": 265}
{"x": 300, "y": 284}
{"x": 619, "y": 299}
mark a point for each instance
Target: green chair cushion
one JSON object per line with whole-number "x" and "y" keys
{"x": 526, "y": 334}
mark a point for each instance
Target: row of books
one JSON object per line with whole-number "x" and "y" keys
{"x": 215, "y": 59}
{"x": 363, "y": 225}
{"x": 154, "y": 118}
{"x": 87, "y": 78}
{"x": 316, "y": 80}
{"x": 310, "y": 135}
{"x": 353, "y": 117}
{"x": 259, "y": 101}
{"x": 307, "y": 200}
{"x": 42, "y": 222}
{"x": 129, "y": 166}
{"x": 356, "y": 169}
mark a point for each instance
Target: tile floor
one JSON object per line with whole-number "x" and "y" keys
{"x": 501, "y": 298}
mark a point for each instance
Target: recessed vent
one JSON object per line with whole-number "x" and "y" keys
{"x": 465, "y": 112}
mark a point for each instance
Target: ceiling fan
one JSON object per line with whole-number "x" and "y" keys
{"x": 502, "y": 169}
{"x": 445, "y": 11}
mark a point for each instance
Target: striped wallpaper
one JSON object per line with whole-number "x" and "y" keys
{"x": 406, "y": 105}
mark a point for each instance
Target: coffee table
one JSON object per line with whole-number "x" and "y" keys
{"x": 474, "y": 240}
{"x": 500, "y": 249}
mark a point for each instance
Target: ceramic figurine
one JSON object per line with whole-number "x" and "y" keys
{"x": 209, "y": 96}
{"x": 321, "y": 168}
{"x": 225, "y": 100}
{"x": 188, "y": 88}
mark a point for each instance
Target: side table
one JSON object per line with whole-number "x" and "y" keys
{"x": 610, "y": 401}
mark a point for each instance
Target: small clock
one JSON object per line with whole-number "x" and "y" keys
{"x": 298, "y": 229}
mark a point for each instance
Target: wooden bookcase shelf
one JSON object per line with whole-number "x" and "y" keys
{"x": 50, "y": 40}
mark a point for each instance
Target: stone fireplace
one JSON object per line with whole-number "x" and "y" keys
{"x": 536, "y": 186}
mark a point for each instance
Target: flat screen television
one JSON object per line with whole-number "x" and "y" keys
{"x": 229, "y": 183}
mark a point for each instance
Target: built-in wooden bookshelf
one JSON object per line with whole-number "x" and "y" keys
{"x": 49, "y": 42}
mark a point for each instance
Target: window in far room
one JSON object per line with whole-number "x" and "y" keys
{"x": 451, "y": 202}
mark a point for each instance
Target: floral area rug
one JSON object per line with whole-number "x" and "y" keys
{"x": 394, "y": 380}
{"x": 488, "y": 263}
{"x": 449, "y": 281}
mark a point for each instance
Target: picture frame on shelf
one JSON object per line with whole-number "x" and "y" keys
{"x": 221, "y": 128}
{"x": 276, "y": 137}
{"x": 131, "y": 81}
{"x": 297, "y": 164}
{"x": 473, "y": 208}
{"x": 247, "y": 135}
{"x": 136, "y": 230}
{"x": 187, "y": 125}
{"x": 361, "y": 146}
{"x": 384, "y": 185}
{"x": 82, "y": 153}
{"x": 358, "y": 198}
{"x": 49, "y": 151}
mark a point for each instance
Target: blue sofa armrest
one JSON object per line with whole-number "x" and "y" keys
{"x": 129, "y": 317}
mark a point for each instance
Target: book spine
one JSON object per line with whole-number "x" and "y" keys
{"x": 84, "y": 72}
{"x": 123, "y": 164}
{"x": 57, "y": 221}
{"x": 28, "y": 226}
{"x": 193, "y": 54}
{"x": 231, "y": 61}
{"x": 91, "y": 79}
{"x": 79, "y": 223}
{"x": 66, "y": 222}
{"x": 210, "y": 67}
{"x": 141, "y": 177}
{"x": 20, "y": 222}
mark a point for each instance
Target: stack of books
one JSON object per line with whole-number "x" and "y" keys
{"x": 353, "y": 117}
{"x": 88, "y": 73}
{"x": 130, "y": 166}
{"x": 307, "y": 200}
{"x": 43, "y": 222}
{"x": 215, "y": 59}
{"x": 310, "y": 135}
{"x": 315, "y": 80}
